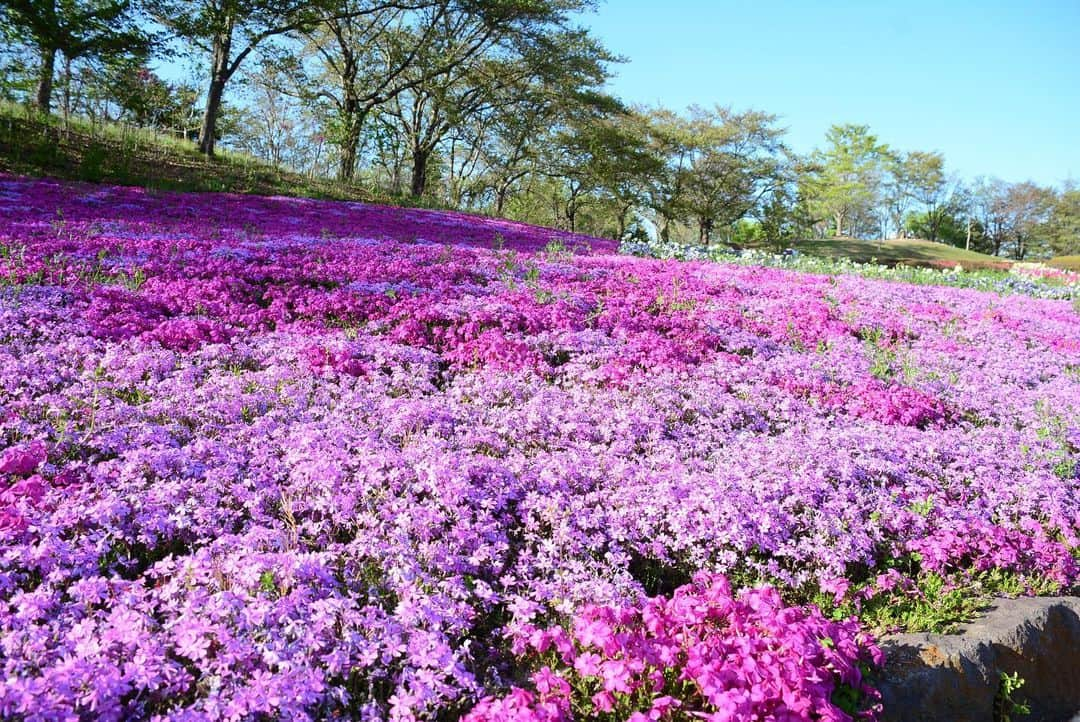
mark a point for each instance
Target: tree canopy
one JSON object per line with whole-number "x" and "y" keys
{"x": 74, "y": 29}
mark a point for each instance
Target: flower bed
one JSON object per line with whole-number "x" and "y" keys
{"x": 297, "y": 459}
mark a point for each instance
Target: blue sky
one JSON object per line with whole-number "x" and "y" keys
{"x": 995, "y": 86}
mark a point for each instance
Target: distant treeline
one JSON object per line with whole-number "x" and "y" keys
{"x": 495, "y": 106}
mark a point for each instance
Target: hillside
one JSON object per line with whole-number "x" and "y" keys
{"x": 36, "y": 145}
{"x": 911, "y": 252}
{"x": 306, "y": 459}
{"x": 1068, "y": 263}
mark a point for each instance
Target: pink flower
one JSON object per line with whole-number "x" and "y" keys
{"x": 662, "y": 706}
{"x": 837, "y": 586}
{"x": 549, "y": 684}
{"x": 587, "y": 664}
{"x": 31, "y": 489}
{"x": 21, "y": 460}
{"x": 604, "y": 701}
{"x": 616, "y": 676}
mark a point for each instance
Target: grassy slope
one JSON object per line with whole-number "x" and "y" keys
{"x": 911, "y": 252}
{"x": 1069, "y": 263}
{"x": 31, "y": 144}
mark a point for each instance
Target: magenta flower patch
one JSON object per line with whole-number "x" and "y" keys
{"x": 283, "y": 458}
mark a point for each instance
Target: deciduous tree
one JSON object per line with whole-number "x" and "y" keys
{"x": 849, "y": 178}
{"x": 229, "y": 31}
{"x": 71, "y": 28}
{"x": 1062, "y": 227}
{"x": 736, "y": 160}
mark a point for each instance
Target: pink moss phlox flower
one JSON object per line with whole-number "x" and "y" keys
{"x": 314, "y": 460}
{"x": 745, "y": 655}
{"x": 22, "y": 459}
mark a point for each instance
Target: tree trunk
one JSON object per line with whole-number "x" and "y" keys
{"x": 43, "y": 99}
{"x": 839, "y": 217}
{"x": 315, "y": 160}
{"x": 418, "y": 182}
{"x": 67, "y": 89}
{"x": 350, "y": 143}
{"x": 352, "y": 113}
{"x": 219, "y": 76}
{"x": 500, "y": 199}
{"x": 935, "y": 224}
{"x": 623, "y": 212}
{"x": 705, "y": 229}
{"x": 451, "y": 182}
{"x": 210, "y": 115}
{"x": 665, "y": 229}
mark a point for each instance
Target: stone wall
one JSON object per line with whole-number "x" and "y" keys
{"x": 956, "y": 677}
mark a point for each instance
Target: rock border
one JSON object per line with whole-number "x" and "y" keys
{"x": 956, "y": 677}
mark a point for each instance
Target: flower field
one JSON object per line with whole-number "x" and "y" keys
{"x": 292, "y": 459}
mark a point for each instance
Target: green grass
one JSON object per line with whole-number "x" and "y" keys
{"x": 1069, "y": 263}
{"x": 911, "y": 252}
{"x": 37, "y": 145}
{"x": 931, "y": 602}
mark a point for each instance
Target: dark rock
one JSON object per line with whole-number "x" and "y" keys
{"x": 956, "y": 677}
